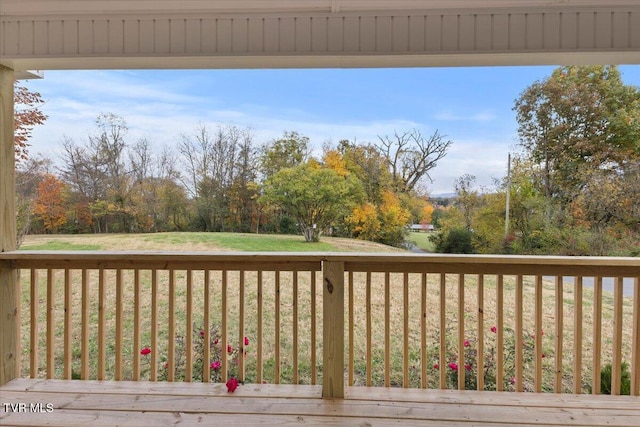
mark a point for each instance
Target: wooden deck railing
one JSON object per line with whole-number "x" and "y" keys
{"x": 424, "y": 321}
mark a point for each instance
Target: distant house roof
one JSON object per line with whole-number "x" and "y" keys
{"x": 422, "y": 227}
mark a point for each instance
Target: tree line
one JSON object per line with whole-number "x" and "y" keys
{"x": 222, "y": 179}
{"x": 574, "y": 187}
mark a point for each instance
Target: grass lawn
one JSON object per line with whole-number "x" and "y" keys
{"x": 60, "y": 245}
{"x": 200, "y": 241}
{"x": 422, "y": 241}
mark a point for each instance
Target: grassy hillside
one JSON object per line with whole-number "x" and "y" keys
{"x": 193, "y": 241}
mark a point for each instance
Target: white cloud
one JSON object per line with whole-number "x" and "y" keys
{"x": 480, "y": 117}
{"x": 485, "y": 116}
{"x": 447, "y": 116}
{"x": 485, "y": 159}
{"x": 121, "y": 85}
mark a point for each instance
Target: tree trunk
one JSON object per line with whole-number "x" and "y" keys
{"x": 311, "y": 234}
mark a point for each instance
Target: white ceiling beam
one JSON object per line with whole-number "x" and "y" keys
{"x": 80, "y": 7}
{"x": 329, "y": 61}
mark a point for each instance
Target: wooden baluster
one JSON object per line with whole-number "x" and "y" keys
{"x": 405, "y": 333}
{"x": 223, "y": 327}
{"x": 423, "y": 332}
{"x": 461, "y": 348}
{"x": 616, "y": 365}
{"x": 34, "y": 323}
{"x": 443, "y": 326}
{"x": 500, "y": 333}
{"x": 480, "y": 343}
{"x": 206, "y": 355}
{"x": 295, "y": 327}
{"x": 538, "y": 336}
{"x": 84, "y": 352}
{"x": 119, "y": 309}
{"x": 51, "y": 365}
{"x": 276, "y": 374}
{"x": 67, "y": 324}
{"x": 559, "y": 284}
{"x": 260, "y": 332}
{"x": 597, "y": 335}
{"x": 188, "y": 366}
{"x": 577, "y": 336}
{"x": 635, "y": 352}
{"x": 153, "y": 373}
{"x": 351, "y": 330}
{"x": 314, "y": 374}
{"x": 519, "y": 332}
{"x": 136, "y": 325}
{"x": 387, "y": 329}
{"x": 368, "y": 329}
{"x": 171, "y": 335}
{"x": 102, "y": 340}
{"x": 333, "y": 330}
{"x": 241, "y": 348}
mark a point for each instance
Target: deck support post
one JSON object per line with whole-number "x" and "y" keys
{"x": 9, "y": 290}
{"x": 333, "y": 330}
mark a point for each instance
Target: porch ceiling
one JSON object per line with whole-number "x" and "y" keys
{"x": 111, "y": 34}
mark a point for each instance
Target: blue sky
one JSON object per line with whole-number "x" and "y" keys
{"x": 471, "y": 106}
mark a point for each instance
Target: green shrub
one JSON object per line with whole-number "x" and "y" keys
{"x": 605, "y": 379}
{"x": 288, "y": 225}
{"x": 455, "y": 241}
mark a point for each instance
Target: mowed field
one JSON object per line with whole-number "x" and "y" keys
{"x": 194, "y": 241}
{"x": 286, "y": 339}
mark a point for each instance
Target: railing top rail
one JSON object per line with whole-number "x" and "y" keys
{"x": 162, "y": 260}
{"x": 311, "y": 261}
{"x": 329, "y": 256}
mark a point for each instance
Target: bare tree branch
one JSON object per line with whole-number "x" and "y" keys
{"x": 410, "y": 156}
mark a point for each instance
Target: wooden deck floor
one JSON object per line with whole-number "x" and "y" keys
{"x": 101, "y": 403}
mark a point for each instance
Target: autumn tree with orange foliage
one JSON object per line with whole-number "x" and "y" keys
{"x": 364, "y": 222}
{"x": 333, "y": 159}
{"x": 49, "y": 205}
{"x": 394, "y": 218}
{"x": 27, "y": 115}
{"x": 427, "y": 213}
{"x": 388, "y": 210}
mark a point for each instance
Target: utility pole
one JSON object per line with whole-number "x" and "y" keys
{"x": 506, "y": 215}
